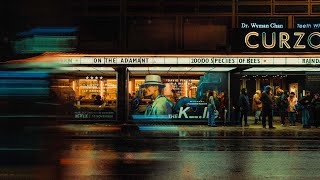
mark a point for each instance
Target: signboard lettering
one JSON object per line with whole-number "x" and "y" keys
{"x": 276, "y": 41}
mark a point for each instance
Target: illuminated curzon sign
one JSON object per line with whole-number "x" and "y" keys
{"x": 281, "y": 40}
{"x": 267, "y": 40}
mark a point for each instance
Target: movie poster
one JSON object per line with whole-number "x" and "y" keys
{"x": 157, "y": 100}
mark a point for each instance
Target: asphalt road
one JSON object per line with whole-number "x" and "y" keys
{"x": 30, "y": 157}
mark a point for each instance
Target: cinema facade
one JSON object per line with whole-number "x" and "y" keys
{"x": 113, "y": 87}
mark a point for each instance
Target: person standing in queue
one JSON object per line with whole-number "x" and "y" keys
{"x": 267, "y": 107}
{"x": 316, "y": 108}
{"x": 257, "y": 106}
{"x": 282, "y": 103}
{"x": 291, "y": 110}
{"x": 222, "y": 109}
{"x": 212, "y": 108}
{"x": 305, "y": 101}
{"x": 244, "y": 106}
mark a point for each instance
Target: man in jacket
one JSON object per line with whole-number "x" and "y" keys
{"x": 267, "y": 107}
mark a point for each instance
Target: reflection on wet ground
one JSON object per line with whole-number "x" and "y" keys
{"x": 58, "y": 156}
{"x": 181, "y": 131}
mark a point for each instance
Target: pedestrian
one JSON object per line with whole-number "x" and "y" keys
{"x": 292, "y": 100}
{"x": 236, "y": 111}
{"x": 316, "y": 107}
{"x": 305, "y": 101}
{"x": 282, "y": 103}
{"x": 267, "y": 107}
{"x": 257, "y": 106}
{"x": 244, "y": 106}
{"x": 222, "y": 108}
{"x": 211, "y": 109}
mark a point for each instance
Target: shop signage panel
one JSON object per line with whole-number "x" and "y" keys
{"x": 191, "y": 60}
{"x": 292, "y": 61}
{"x": 90, "y": 60}
{"x": 134, "y": 60}
{"x": 275, "y": 40}
{"x": 200, "y": 60}
{"x": 70, "y": 60}
{"x": 170, "y": 60}
{"x": 307, "y": 22}
{"x": 255, "y": 61}
{"x": 279, "y": 60}
{"x": 262, "y": 22}
{"x": 110, "y": 60}
{"x": 225, "y": 60}
{"x": 309, "y": 61}
{"x": 158, "y": 60}
{"x": 183, "y": 60}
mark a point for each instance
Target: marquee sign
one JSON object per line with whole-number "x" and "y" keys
{"x": 190, "y": 60}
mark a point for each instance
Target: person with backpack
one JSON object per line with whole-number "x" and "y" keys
{"x": 244, "y": 106}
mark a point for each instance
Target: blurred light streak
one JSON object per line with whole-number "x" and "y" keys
{"x": 23, "y": 74}
{"x": 28, "y": 82}
{"x": 51, "y": 30}
{"x": 157, "y": 128}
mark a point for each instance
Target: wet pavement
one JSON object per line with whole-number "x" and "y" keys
{"x": 178, "y": 131}
{"x": 104, "y": 151}
{"x": 140, "y": 158}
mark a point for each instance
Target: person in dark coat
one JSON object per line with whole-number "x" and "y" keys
{"x": 282, "y": 103}
{"x": 244, "y": 105}
{"x": 223, "y": 107}
{"x": 267, "y": 107}
{"x": 316, "y": 108}
{"x": 305, "y": 101}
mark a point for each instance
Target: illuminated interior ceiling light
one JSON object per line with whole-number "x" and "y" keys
{"x": 201, "y": 69}
{"x": 138, "y": 69}
{"x": 159, "y": 69}
{"x": 95, "y": 69}
{"x": 222, "y": 69}
{"x": 179, "y": 69}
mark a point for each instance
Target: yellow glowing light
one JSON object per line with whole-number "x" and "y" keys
{"x": 130, "y": 86}
{"x": 185, "y": 89}
{"x": 101, "y": 89}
